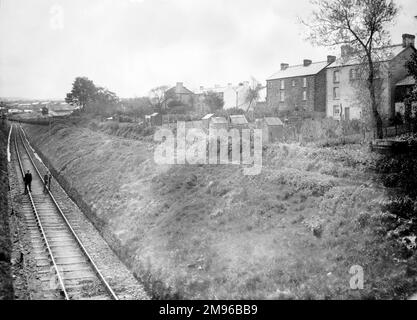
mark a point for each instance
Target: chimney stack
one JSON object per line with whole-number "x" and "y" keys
{"x": 408, "y": 40}
{"x": 307, "y": 62}
{"x": 284, "y": 66}
{"x": 331, "y": 59}
{"x": 179, "y": 85}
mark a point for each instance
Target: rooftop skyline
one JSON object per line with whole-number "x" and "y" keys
{"x": 131, "y": 46}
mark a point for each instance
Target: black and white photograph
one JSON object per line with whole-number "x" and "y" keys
{"x": 206, "y": 156}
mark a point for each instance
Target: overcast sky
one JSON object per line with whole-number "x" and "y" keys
{"x": 131, "y": 46}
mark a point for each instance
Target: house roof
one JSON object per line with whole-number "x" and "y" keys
{"x": 208, "y": 116}
{"x": 273, "y": 122}
{"x": 151, "y": 115}
{"x": 179, "y": 90}
{"x": 300, "y": 70}
{"x": 61, "y": 111}
{"x": 407, "y": 81}
{"x": 238, "y": 119}
{"x": 61, "y": 107}
{"x": 382, "y": 54}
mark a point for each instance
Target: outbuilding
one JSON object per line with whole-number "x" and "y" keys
{"x": 206, "y": 120}
{"x": 218, "y": 123}
{"x": 154, "y": 120}
{"x": 272, "y": 129}
{"x": 239, "y": 122}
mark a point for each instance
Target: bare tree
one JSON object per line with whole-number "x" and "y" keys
{"x": 253, "y": 94}
{"x": 158, "y": 97}
{"x": 360, "y": 24}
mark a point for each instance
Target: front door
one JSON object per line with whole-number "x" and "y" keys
{"x": 347, "y": 114}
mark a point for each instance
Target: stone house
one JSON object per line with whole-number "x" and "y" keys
{"x": 234, "y": 96}
{"x": 346, "y": 87}
{"x": 299, "y": 88}
{"x": 179, "y": 94}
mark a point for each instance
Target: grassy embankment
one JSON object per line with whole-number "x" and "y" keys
{"x": 210, "y": 232}
{"x": 6, "y": 289}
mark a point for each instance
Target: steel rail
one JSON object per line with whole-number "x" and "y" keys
{"x": 79, "y": 242}
{"x": 39, "y": 222}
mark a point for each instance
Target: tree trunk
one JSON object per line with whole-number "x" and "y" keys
{"x": 377, "y": 121}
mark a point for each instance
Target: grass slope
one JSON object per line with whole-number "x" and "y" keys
{"x": 208, "y": 232}
{"x": 6, "y": 289}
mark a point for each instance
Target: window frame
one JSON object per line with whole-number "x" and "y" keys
{"x": 305, "y": 98}
{"x": 282, "y": 96}
{"x": 336, "y": 76}
{"x": 336, "y": 97}
{"x": 305, "y": 82}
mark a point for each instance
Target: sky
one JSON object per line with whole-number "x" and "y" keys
{"x": 132, "y": 46}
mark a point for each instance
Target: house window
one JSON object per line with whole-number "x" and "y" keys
{"x": 282, "y": 84}
{"x": 293, "y": 83}
{"x": 282, "y": 96}
{"x": 336, "y": 93}
{"x": 304, "y": 82}
{"x": 305, "y": 95}
{"x": 336, "y": 111}
{"x": 336, "y": 76}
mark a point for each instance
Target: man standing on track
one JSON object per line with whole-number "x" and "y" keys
{"x": 28, "y": 181}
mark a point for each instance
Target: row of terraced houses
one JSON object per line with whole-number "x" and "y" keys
{"x": 330, "y": 88}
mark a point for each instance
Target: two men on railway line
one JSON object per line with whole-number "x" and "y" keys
{"x": 28, "y": 181}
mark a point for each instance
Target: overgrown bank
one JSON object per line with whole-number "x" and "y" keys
{"x": 6, "y": 287}
{"x": 209, "y": 232}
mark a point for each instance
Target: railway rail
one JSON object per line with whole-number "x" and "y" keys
{"x": 66, "y": 269}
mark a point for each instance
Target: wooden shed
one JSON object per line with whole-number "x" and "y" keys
{"x": 206, "y": 120}
{"x": 154, "y": 120}
{"x": 272, "y": 129}
{"x": 218, "y": 123}
{"x": 239, "y": 122}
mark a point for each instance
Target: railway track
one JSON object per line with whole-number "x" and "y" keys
{"x": 65, "y": 268}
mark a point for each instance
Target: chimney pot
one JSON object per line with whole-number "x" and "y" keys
{"x": 408, "y": 40}
{"x": 307, "y": 62}
{"x": 331, "y": 59}
{"x": 284, "y": 66}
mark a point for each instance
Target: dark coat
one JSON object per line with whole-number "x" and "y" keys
{"x": 28, "y": 178}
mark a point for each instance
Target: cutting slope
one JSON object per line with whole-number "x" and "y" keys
{"x": 294, "y": 231}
